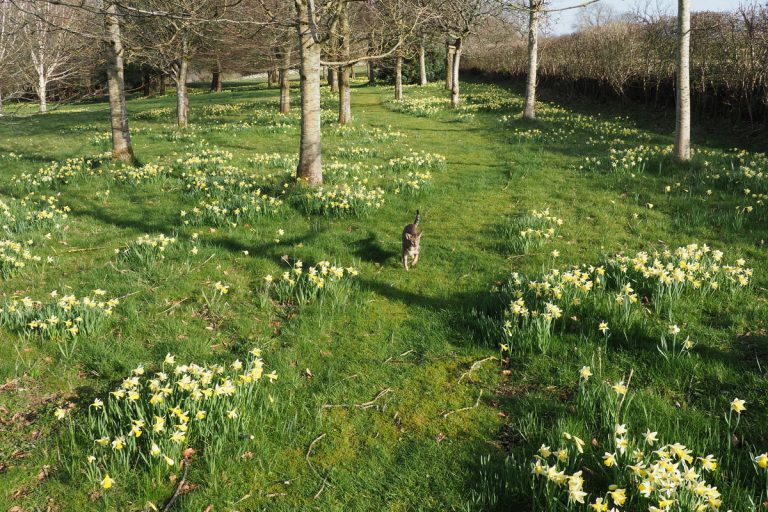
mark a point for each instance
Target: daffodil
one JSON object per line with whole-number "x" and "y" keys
{"x": 107, "y": 482}
{"x": 738, "y": 406}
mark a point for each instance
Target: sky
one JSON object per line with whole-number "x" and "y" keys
{"x": 566, "y": 19}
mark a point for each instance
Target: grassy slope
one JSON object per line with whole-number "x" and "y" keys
{"x": 401, "y": 455}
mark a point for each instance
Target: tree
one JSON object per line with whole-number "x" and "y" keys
{"x": 682, "y": 149}
{"x": 48, "y": 36}
{"x": 459, "y": 18}
{"x": 534, "y": 9}
{"x": 10, "y": 54}
{"x": 122, "y": 149}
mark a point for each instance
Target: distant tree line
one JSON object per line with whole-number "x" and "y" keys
{"x": 633, "y": 58}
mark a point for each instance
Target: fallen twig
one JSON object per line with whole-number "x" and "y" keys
{"x": 401, "y": 355}
{"x": 475, "y": 366}
{"x": 365, "y": 405}
{"x": 477, "y": 402}
{"x": 309, "y": 463}
{"x": 174, "y": 305}
{"x": 175, "y": 495}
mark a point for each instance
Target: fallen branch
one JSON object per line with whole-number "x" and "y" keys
{"x": 175, "y": 495}
{"x": 475, "y": 366}
{"x": 365, "y": 405}
{"x": 477, "y": 403}
{"x": 309, "y": 463}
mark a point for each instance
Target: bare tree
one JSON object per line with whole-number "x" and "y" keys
{"x": 10, "y": 54}
{"x": 49, "y": 38}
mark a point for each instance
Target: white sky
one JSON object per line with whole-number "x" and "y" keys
{"x": 565, "y": 19}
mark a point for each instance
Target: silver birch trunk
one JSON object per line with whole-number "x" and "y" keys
{"x": 122, "y": 149}
{"x": 529, "y": 111}
{"x": 333, "y": 79}
{"x": 399, "y": 78}
{"x": 345, "y": 95}
{"x": 310, "y": 168}
{"x": 42, "y": 90}
{"x": 422, "y": 65}
{"x": 682, "y": 151}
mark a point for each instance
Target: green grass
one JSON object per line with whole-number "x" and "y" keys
{"x": 415, "y": 334}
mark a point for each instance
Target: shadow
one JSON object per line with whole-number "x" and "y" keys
{"x": 370, "y": 249}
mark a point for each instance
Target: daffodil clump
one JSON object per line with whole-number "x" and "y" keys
{"x": 303, "y": 285}
{"x": 222, "y": 109}
{"x": 55, "y": 174}
{"x": 233, "y": 209}
{"x": 136, "y": 175}
{"x": 666, "y": 275}
{"x": 151, "y": 420}
{"x": 204, "y": 158}
{"x": 146, "y": 249}
{"x": 422, "y": 107}
{"x": 529, "y": 232}
{"x": 412, "y": 183}
{"x": 274, "y": 161}
{"x": 356, "y": 152}
{"x": 154, "y": 114}
{"x": 537, "y": 304}
{"x": 15, "y": 256}
{"x": 344, "y": 199}
{"x": 418, "y": 162}
{"x": 59, "y": 316}
{"x": 34, "y": 211}
{"x": 647, "y": 475}
{"x": 367, "y": 133}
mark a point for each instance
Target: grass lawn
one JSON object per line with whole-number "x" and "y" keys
{"x": 394, "y": 390}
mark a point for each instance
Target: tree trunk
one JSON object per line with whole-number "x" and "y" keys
{"x": 42, "y": 91}
{"x": 422, "y": 65}
{"x": 533, "y": 64}
{"x": 285, "y": 84}
{"x": 345, "y": 96}
{"x": 215, "y": 81}
{"x": 682, "y": 150}
{"x": 310, "y": 169}
{"x": 345, "y": 71}
{"x": 399, "y": 78}
{"x": 182, "y": 98}
{"x": 449, "y": 66}
{"x": 122, "y": 149}
{"x": 333, "y": 79}
{"x": 1, "y": 104}
{"x": 455, "y": 99}
{"x": 146, "y": 82}
{"x": 161, "y": 87}
{"x": 371, "y": 73}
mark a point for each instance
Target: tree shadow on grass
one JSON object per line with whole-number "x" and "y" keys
{"x": 370, "y": 249}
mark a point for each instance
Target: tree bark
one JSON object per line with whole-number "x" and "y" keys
{"x": 333, "y": 79}
{"x": 215, "y": 81}
{"x": 422, "y": 65}
{"x": 682, "y": 150}
{"x": 146, "y": 82}
{"x": 529, "y": 111}
{"x": 161, "y": 87}
{"x": 310, "y": 168}
{"x": 122, "y": 149}
{"x": 371, "y": 73}
{"x": 449, "y": 66}
{"x": 42, "y": 90}
{"x": 345, "y": 96}
{"x": 2, "y": 113}
{"x": 344, "y": 72}
{"x": 399, "y": 78}
{"x": 285, "y": 83}
{"x": 455, "y": 99}
{"x": 182, "y": 97}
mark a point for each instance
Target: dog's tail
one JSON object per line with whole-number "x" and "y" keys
{"x": 418, "y": 218}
